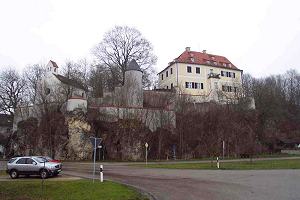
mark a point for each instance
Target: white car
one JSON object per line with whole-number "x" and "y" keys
{"x": 32, "y": 165}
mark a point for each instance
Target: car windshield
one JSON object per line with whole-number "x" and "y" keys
{"x": 41, "y": 159}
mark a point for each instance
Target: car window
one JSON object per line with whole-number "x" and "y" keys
{"x": 29, "y": 161}
{"x": 12, "y": 160}
{"x": 21, "y": 161}
{"x": 41, "y": 159}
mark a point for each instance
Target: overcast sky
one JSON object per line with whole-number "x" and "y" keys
{"x": 260, "y": 37}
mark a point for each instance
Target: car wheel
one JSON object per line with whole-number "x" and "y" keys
{"x": 14, "y": 174}
{"x": 44, "y": 174}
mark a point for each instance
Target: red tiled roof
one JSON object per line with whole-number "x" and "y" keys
{"x": 199, "y": 58}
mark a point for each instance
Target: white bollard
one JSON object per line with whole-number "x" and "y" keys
{"x": 218, "y": 164}
{"x": 101, "y": 173}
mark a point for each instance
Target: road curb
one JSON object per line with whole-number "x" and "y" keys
{"x": 138, "y": 189}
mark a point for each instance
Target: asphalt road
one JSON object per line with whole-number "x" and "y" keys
{"x": 172, "y": 184}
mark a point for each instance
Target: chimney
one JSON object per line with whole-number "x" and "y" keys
{"x": 187, "y": 49}
{"x": 204, "y": 51}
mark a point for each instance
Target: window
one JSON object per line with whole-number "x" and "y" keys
{"x": 192, "y": 59}
{"x": 189, "y": 69}
{"x": 215, "y": 63}
{"x": 235, "y": 89}
{"x": 233, "y": 75}
{"x": 82, "y": 94}
{"x": 197, "y": 70}
{"x": 193, "y": 85}
{"x": 12, "y": 160}
{"x": 222, "y": 73}
{"x": 167, "y": 73}
{"x": 171, "y": 70}
{"x": 47, "y": 91}
{"x": 188, "y": 85}
{"x": 54, "y": 69}
{"x": 29, "y": 161}
{"x": 171, "y": 85}
{"x": 228, "y": 88}
{"x": 21, "y": 161}
{"x": 167, "y": 87}
{"x": 162, "y": 77}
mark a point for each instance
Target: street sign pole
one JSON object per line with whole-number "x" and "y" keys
{"x": 94, "y": 160}
{"x": 95, "y": 141}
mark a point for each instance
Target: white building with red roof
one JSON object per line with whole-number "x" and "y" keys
{"x": 202, "y": 75}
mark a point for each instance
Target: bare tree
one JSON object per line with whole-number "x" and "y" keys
{"x": 33, "y": 75}
{"x": 119, "y": 46}
{"x": 12, "y": 87}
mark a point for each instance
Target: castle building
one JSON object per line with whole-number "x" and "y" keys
{"x": 57, "y": 86}
{"x": 201, "y": 75}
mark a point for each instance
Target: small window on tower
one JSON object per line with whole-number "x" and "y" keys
{"x": 54, "y": 69}
{"x": 171, "y": 71}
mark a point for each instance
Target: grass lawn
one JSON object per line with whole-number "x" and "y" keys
{"x": 242, "y": 165}
{"x": 65, "y": 190}
{"x": 2, "y": 172}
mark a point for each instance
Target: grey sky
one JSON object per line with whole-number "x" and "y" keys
{"x": 260, "y": 37}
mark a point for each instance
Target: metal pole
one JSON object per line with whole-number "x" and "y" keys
{"x": 146, "y": 156}
{"x": 223, "y": 149}
{"x": 101, "y": 173}
{"x": 94, "y": 161}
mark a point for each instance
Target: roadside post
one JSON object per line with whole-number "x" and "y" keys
{"x": 96, "y": 142}
{"x": 218, "y": 163}
{"x": 146, "y": 155}
{"x": 101, "y": 173}
{"x": 223, "y": 149}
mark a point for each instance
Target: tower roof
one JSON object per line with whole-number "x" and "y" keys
{"x": 53, "y": 63}
{"x": 133, "y": 66}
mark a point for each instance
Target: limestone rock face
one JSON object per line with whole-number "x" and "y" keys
{"x": 79, "y": 146}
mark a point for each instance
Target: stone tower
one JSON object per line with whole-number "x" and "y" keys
{"x": 133, "y": 86}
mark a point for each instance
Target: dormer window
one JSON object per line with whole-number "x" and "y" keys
{"x": 192, "y": 59}
{"x": 215, "y": 63}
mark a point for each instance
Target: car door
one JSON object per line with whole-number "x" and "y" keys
{"x": 31, "y": 166}
{"x": 21, "y": 165}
